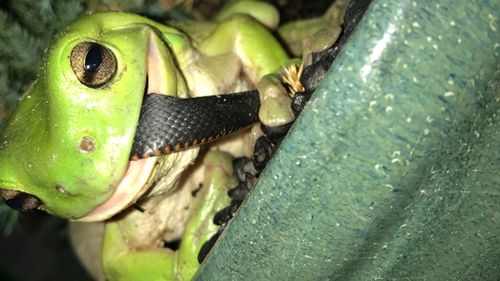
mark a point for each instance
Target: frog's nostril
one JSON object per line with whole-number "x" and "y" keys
{"x": 19, "y": 200}
{"x": 87, "y": 144}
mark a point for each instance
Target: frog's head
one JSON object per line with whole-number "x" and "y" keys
{"x": 66, "y": 148}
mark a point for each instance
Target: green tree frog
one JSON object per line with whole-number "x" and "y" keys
{"x": 69, "y": 141}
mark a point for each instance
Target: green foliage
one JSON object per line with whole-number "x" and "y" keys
{"x": 27, "y": 27}
{"x": 8, "y": 219}
{"x": 160, "y": 10}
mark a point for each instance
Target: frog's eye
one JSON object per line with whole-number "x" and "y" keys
{"x": 94, "y": 65}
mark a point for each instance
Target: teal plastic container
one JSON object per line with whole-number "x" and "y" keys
{"x": 392, "y": 172}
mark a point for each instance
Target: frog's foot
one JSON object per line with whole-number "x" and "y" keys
{"x": 282, "y": 99}
{"x": 275, "y": 108}
{"x": 314, "y": 34}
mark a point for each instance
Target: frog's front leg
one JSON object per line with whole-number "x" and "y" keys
{"x": 259, "y": 52}
{"x": 126, "y": 258}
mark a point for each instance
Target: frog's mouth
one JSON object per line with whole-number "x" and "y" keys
{"x": 135, "y": 180}
{"x": 127, "y": 192}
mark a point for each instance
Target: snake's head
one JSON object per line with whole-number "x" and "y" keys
{"x": 66, "y": 148}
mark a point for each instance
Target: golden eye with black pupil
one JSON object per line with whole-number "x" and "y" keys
{"x": 93, "y": 64}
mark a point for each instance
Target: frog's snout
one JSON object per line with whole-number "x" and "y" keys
{"x": 19, "y": 200}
